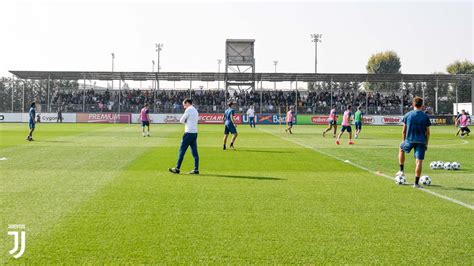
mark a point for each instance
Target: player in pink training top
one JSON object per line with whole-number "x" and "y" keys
{"x": 464, "y": 121}
{"x": 289, "y": 120}
{"x": 346, "y": 125}
{"x": 145, "y": 118}
{"x": 332, "y": 121}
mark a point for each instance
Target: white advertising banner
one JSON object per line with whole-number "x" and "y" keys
{"x": 10, "y": 117}
{"x": 52, "y": 117}
{"x": 159, "y": 118}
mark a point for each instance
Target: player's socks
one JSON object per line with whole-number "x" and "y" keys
{"x": 401, "y": 167}
{"x": 224, "y": 147}
{"x": 417, "y": 179}
{"x": 232, "y": 145}
{"x": 324, "y": 133}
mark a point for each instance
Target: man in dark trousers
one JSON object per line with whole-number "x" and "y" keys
{"x": 190, "y": 120}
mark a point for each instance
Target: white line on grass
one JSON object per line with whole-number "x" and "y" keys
{"x": 469, "y": 206}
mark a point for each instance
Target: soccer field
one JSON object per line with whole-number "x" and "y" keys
{"x": 98, "y": 193}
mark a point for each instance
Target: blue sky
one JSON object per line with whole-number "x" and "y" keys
{"x": 80, "y": 35}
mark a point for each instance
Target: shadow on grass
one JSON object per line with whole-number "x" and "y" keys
{"x": 245, "y": 177}
{"x": 452, "y": 188}
{"x": 55, "y": 141}
{"x": 264, "y": 151}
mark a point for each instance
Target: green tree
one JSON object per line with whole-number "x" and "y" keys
{"x": 387, "y": 62}
{"x": 463, "y": 87}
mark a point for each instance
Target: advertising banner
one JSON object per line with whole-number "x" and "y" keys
{"x": 315, "y": 119}
{"x": 159, "y": 118}
{"x": 103, "y": 118}
{"x": 217, "y": 119}
{"x": 52, "y": 117}
{"x": 11, "y": 117}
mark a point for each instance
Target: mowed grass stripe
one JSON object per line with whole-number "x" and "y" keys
{"x": 377, "y": 150}
{"x": 267, "y": 202}
{"x": 466, "y": 205}
{"x": 46, "y": 179}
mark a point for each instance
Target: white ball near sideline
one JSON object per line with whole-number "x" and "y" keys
{"x": 455, "y": 166}
{"x": 447, "y": 166}
{"x": 425, "y": 180}
{"x": 400, "y": 180}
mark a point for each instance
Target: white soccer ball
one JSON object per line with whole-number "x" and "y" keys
{"x": 440, "y": 165}
{"x": 455, "y": 166}
{"x": 425, "y": 180}
{"x": 434, "y": 165}
{"x": 447, "y": 166}
{"x": 400, "y": 180}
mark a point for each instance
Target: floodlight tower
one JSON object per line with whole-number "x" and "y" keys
{"x": 316, "y": 38}
{"x": 113, "y": 61}
{"x": 219, "y": 61}
{"x": 275, "y": 63}
{"x": 159, "y": 47}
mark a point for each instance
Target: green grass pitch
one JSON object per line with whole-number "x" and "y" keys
{"x": 95, "y": 194}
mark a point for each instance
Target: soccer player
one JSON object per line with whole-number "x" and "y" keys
{"x": 346, "y": 125}
{"x": 464, "y": 121}
{"x": 289, "y": 120}
{"x": 60, "y": 116}
{"x": 456, "y": 122}
{"x": 190, "y": 120}
{"x": 145, "y": 118}
{"x": 332, "y": 121}
{"x": 358, "y": 121}
{"x": 416, "y": 134}
{"x": 251, "y": 116}
{"x": 230, "y": 126}
{"x": 31, "y": 121}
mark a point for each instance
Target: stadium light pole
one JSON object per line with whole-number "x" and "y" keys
{"x": 113, "y": 62}
{"x": 275, "y": 63}
{"x": 316, "y": 38}
{"x": 219, "y": 61}
{"x": 159, "y": 47}
{"x": 153, "y": 70}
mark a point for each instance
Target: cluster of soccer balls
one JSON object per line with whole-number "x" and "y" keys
{"x": 401, "y": 180}
{"x": 445, "y": 165}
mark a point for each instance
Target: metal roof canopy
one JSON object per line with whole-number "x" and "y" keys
{"x": 213, "y": 76}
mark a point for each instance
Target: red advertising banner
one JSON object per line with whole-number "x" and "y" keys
{"x": 368, "y": 120}
{"x": 319, "y": 120}
{"x": 391, "y": 120}
{"x": 217, "y": 119}
{"x": 102, "y": 118}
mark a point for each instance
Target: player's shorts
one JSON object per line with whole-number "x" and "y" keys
{"x": 230, "y": 128}
{"x": 31, "y": 124}
{"x": 465, "y": 129}
{"x": 348, "y": 128}
{"x": 358, "y": 125}
{"x": 331, "y": 122}
{"x": 145, "y": 123}
{"x": 290, "y": 124}
{"x": 420, "y": 149}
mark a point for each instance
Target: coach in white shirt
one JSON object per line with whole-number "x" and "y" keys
{"x": 190, "y": 120}
{"x": 251, "y": 116}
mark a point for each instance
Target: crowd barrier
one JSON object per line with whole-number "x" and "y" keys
{"x": 262, "y": 119}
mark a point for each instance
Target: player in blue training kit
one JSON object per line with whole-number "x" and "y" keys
{"x": 416, "y": 134}
{"x": 31, "y": 121}
{"x": 230, "y": 126}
